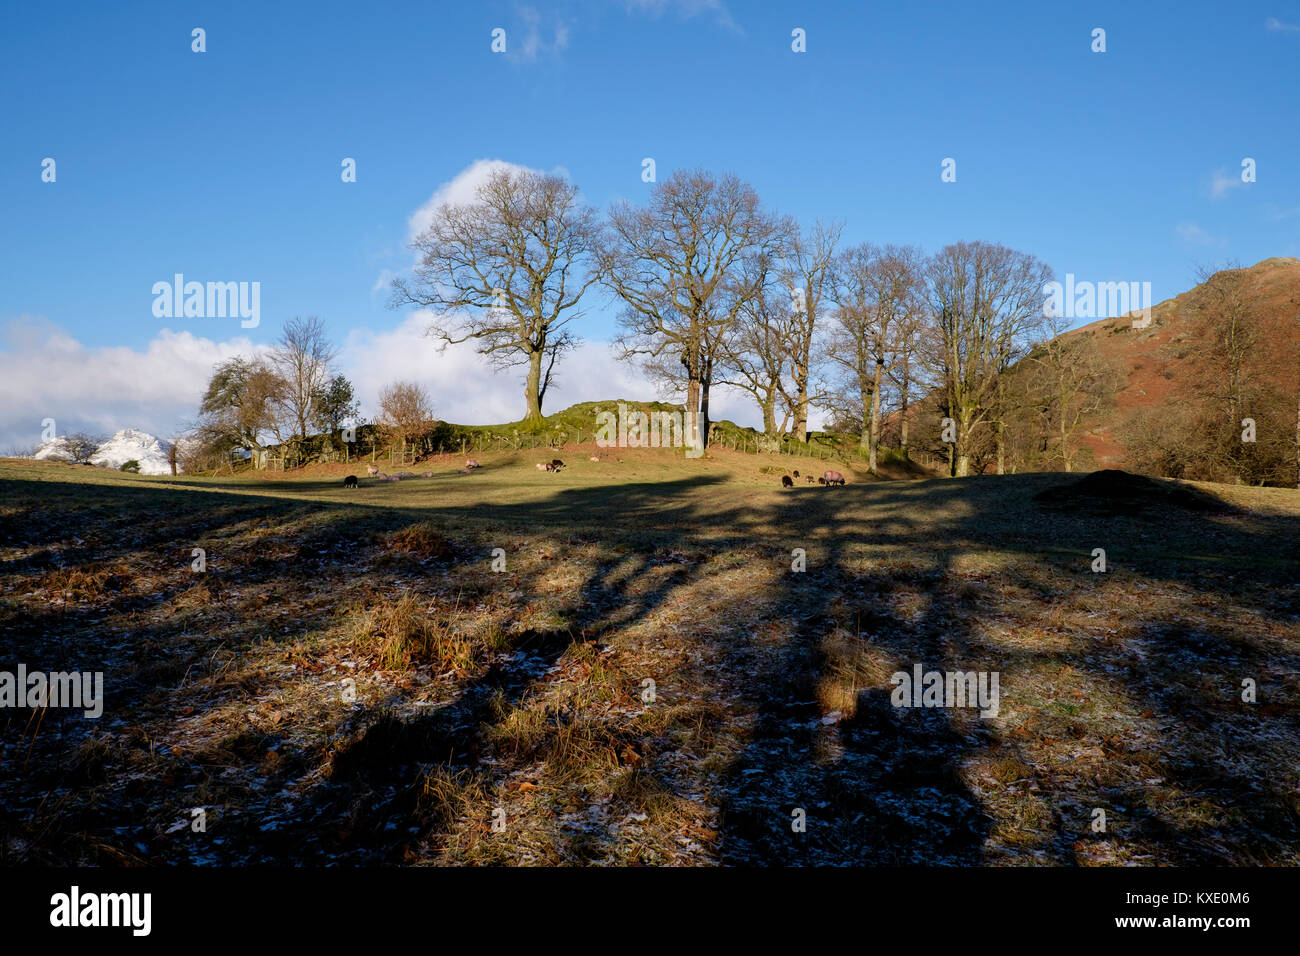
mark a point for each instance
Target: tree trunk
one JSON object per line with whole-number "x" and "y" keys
{"x": 1000, "y": 433}
{"x": 875, "y": 416}
{"x": 769, "y": 415}
{"x": 704, "y": 412}
{"x": 963, "y": 444}
{"x": 1065, "y": 449}
{"x": 864, "y": 392}
{"x": 533, "y": 388}
{"x": 902, "y": 420}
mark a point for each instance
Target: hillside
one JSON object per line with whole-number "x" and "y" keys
{"x": 1169, "y": 363}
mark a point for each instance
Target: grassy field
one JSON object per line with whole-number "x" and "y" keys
{"x": 508, "y": 716}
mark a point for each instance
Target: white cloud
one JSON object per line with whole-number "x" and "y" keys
{"x": 1276, "y": 25}
{"x": 1223, "y": 182}
{"x": 1191, "y": 232}
{"x": 686, "y": 9}
{"x": 460, "y": 189}
{"x": 46, "y": 373}
{"x": 465, "y": 388}
{"x": 539, "y": 38}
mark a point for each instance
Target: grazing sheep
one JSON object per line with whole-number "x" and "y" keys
{"x": 796, "y": 472}
{"x": 471, "y": 463}
{"x": 426, "y": 474}
{"x": 787, "y": 481}
{"x": 556, "y": 464}
{"x": 821, "y": 481}
{"x": 350, "y": 481}
{"x": 808, "y": 478}
{"x": 834, "y": 478}
{"x": 371, "y": 470}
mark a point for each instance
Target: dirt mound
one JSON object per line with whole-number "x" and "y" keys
{"x": 1124, "y": 493}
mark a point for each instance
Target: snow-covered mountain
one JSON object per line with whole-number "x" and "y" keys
{"x": 54, "y": 450}
{"x": 127, "y": 445}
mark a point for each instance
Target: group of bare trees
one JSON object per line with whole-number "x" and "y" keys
{"x": 1238, "y": 425}
{"x": 279, "y": 397}
{"x": 953, "y": 351}
{"x": 716, "y": 290}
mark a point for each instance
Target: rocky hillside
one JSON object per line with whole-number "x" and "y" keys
{"x": 1174, "y": 360}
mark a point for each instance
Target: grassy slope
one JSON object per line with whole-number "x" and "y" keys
{"x": 524, "y": 690}
{"x": 1168, "y": 362}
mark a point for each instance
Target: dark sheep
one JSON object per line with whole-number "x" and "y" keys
{"x": 796, "y": 472}
{"x": 350, "y": 481}
{"x": 556, "y": 464}
{"x": 787, "y": 481}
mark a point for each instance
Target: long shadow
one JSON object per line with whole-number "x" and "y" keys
{"x": 880, "y": 787}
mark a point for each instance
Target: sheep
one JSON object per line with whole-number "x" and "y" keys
{"x": 808, "y": 478}
{"x": 834, "y": 478}
{"x": 471, "y": 463}
{"x": 796, "y": 472}
{"x": 787, "y": 481}
{"x": 371, "y": 471}
{"x": 426, "y": 474}
{"x": 350, "y": 481}
{"x": 594, "y": 458}
{"x": 556, "y": 464}
{"x": 821, "y": 481}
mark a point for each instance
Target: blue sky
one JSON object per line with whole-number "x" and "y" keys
{"x": 224, "y": 165}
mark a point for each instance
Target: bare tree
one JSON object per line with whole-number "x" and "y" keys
{"x": 676, "y": 265}
{"x": 808, "y": 275}
{"x": 987, "y": 303}
{"x": 508, "y": 270}
{"x": 755, "y": 356}
{"x": 81, "y": 446}
{"x": 302, "y": 357}
{"x": 405, "y": 412}
{"x": 1066, "y": 382}
{"x": 1226, "y": 325}
{"x": 878, "y": 295}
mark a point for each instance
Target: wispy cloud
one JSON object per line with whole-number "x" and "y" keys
{"x": 1279, "y": 26}
{"x": 1224, "y": 182}
{"x": 540, "y": 37}
{"x": 1190, "y": 232}
{"x": 686, "y": 9}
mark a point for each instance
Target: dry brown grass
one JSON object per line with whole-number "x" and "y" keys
{"x": 522, "y": 690}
